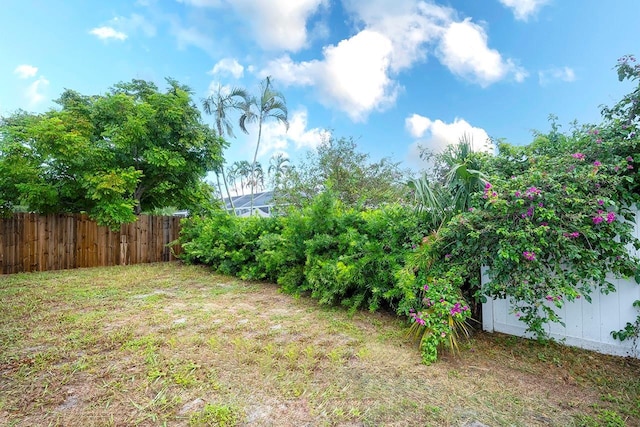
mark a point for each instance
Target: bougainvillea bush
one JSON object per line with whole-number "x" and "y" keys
{"x": 555, "y": 219}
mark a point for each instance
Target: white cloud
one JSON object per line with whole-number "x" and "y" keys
{"x": 276, "y": 138}
{"x": 276, "y": 24}
{"x": 288, "y": 72}
{"x": 464, "y": 50}
{"x": 564, "y": 74}
{"x": 106, "y": 33}
{"x": 191, "y": 36}
{"x": 353, "y": 76}
{"x": 417, "y": 125}
{"x": 202, "y": 3}
{"x": 410, "y": 25}
{"x": 228, "y": 66}
{"x": 358, "y": 74}
{"x": 279, "y": 24}
{"x": 436, "y": 135}
{"x": 132, "y": 24}
{"x": 25, "y": 71}
{"x": 34, "y": 92}
{"x": 523, "y": 9}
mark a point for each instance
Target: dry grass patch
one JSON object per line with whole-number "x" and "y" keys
{"x": 177, "y": 345}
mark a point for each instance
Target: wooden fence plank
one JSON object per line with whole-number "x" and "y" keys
{"x": 31, "y": 242}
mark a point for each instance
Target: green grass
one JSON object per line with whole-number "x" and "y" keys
{"x": 167, "y": 344}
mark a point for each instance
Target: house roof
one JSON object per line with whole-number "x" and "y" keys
{"x": 244, "y": 202}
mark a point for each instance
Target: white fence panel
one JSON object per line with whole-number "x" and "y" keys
{"x": 587, "y": 325}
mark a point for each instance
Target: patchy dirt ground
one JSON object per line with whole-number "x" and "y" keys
{"x": 168, "y": 344}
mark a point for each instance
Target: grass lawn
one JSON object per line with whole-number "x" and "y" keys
{"x": 166, "y": 344}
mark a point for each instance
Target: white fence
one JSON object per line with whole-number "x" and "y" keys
{"x": 587, "y": 325}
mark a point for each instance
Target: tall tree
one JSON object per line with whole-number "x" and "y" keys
{"x": 219, "y": 104}
{"x": 133, "y": 149}
{"x": 271, "y": 104}
{"x": 278, "y": 165}
{"x": 354, "y": 178}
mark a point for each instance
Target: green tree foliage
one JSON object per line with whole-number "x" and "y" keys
{"x": 113, "y": 156}
{"x": 352, "y": 177}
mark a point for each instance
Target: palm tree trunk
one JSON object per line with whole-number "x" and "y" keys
{"x": 226, "y": 187}
{"x": 253, "y": 166}
{"x": 220, "y": 188}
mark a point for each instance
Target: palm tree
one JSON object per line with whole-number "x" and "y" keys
{"x": 219, "y": 104}
{"x": 463, "y": 178}
{"x": 242, "y": 170}
{"x": 271, "y": 104}
{"x": 278, "y": 164}
{"x": 257, "y": 176}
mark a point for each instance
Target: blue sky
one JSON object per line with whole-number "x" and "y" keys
{"x": 390, "y": 73}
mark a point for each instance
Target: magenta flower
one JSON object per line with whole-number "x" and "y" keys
{"x": 578, "y": 156}
{"x": 611, "y": 217}
{"x": 600, "y": 202}
{"x": 595, "y": 131}
{"x": 517, "y": 194}
{"x": 573, "y": 235}
{"x": 529, "y": 256}
{"x": 597, "y": 163}
{"x": 426, "y": 287}
{"x": 629, "y": 159}
{"x": 629, "y": 167}
{"x": 598, "y": 218}
{"x": 487, "y": 186}
{"x": 549, "y": 298}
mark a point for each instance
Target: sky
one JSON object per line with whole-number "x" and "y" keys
{"x": 394, "y": 75}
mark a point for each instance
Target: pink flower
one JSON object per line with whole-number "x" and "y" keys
{"x": 599, "y": 141}
{"x": 529, "y": 256}
{"x": 549, "y": 298}
{"x": 611, "y": 217}
{"x": 600, "y": 202}
{"x": 426, "y": 287}
{"x": 595, "y": 131}
{"x": 629, "y": 167}
{"x": 517, "y": 194}
{"x": 629, "y": 159}
{"x": 578, "y": 156}
{"x": 598, "y": 218}
{"x": 597, "y": 163}
{"x": 487, "y": 186}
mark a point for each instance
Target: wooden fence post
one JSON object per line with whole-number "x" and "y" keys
{"x": 123, "y": 249}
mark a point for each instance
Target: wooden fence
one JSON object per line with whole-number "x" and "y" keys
{"x": 31, "y": 242}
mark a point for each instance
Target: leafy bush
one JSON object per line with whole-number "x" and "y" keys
{"x": 339, "y": 255}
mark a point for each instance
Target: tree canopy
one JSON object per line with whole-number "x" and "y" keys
{"x": 353, "y": 178}
{"x": 134, "y": 149}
